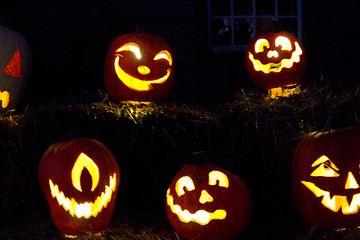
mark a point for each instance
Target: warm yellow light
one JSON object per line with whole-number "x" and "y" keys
{"x": 261, "y": 44}
{"x": 132, "y": 47}
{"x": 273, "y": 54}
{"x": 351, "y": 182}
{"x": 164, "y": 54}
{"x": 4, "y": 98}
{"x": 284, "y": 42}
{"x": 143, "y": 70}
{"x": 217, "y": 177}
{"x": 83, "y": 161}
{"x": 277, "y": 67}
{"x": 201, "y": 217}
{"x": 326, "y": 168}
{"x": 87, "y": 209}
{"x": 287, "y": 91}
{"x": 337, "y": 201}
{"x": 205, "y": 197}
{"x": 135, "y": 83}
{"x": 186, "y": 182}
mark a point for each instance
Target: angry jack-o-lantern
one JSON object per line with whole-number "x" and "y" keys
{"x": 139, "y": 67}
{"x": 207, "y": 202}
{"x": 325, "y": 178}
{"x": 80, "y": 179}
{"x": 15, "y": 64}
{"x": 275, "y": 60}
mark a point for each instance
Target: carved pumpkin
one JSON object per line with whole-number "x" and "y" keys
{"x": 15, "y": 64}
{"x": 207, "y": 202}
{"x": 139, "y": 67}
{"x": 80, "y": 179}
{"x": 275, "y": 60}
{"x": 325, "y": 178}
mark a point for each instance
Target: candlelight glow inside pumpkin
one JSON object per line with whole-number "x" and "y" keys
{"x": 201, "y": 217}
{"x": 275, "y": 60}
{"x": 325, "y": 178}
{"x": 139, "y": 67}
{"x": 86, "y": 209}
{"x": 207, "y": 202}
{"x": 326, "y": 168}
{"x": 80, "y": 179}
{"x": 134, "y": 82}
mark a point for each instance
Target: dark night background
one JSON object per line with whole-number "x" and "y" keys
{"x": 69, "y": 41}
{"x": 251, "y": 137}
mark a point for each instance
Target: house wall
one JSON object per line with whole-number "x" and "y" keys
{"x": 69, "y": 40}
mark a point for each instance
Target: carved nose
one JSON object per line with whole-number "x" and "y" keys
{"x": 272, "y": 54}
{"x": 205, "y": 197}
{"x": 143, "y": 70}
{"x": 351, "y": 182}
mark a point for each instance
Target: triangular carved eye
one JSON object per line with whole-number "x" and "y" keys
{"x": 13, "y": 67}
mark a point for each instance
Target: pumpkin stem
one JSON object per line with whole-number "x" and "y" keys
{"x": 199, "y": 157}
{"x": 328, "y": 124}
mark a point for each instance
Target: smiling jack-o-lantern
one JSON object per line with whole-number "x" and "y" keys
{"x": 139, "y": 67}
{"x": 325, "y": 178}
{"x": 207, "y": 202}
{"x": 15, "y": 64}
{"x": 275, "y": 60}
{"x": 80, "y": 179}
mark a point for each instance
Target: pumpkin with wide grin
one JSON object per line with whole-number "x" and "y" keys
{"x": 325, "y": 178}
{"x": 134, "y": 82}
{"x": 275, "y": 60}
{"x": 80, "y": 179}
{"x": 207, "y": 202}
{"x": 139, "y": 67}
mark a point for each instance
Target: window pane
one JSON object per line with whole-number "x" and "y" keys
{"x": 220, "y": 7}
{"x": 287, "y": 7}
{"x": 243, "y": 7}
{"x": 265, "y": 24}
{"x": 289, "y": 25}
{"x": 265, "y": 7}
{"x": 221, "y": 31}
{"x": 242, "y": 31}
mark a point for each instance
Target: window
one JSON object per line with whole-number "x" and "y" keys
{"x": 232, "y": 23}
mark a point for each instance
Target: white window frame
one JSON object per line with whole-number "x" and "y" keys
{"x": 252, "y": 17}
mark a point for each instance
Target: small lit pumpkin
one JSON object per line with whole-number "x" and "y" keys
{"x": 275, "y": 60}
{"x": 80, "y": 179}
{"x": 139, "y": 67}
{"x": 15, "y": 64}
{"x": 207, "y": 202}
{"x": 325, "y": 178}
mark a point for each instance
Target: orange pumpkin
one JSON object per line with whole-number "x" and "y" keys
{"x": 326, "y": 178}
{"x": 139, "y": 67}
{"x": 275, "y": 60}
{"x": 207, "y": 202}
{"x": 80, "y": 179}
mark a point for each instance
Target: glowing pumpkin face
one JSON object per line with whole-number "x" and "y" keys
{"x": 15, "y": 64}
{"x": 207, "y": 202}
{"x": 139, "y": 67}
{"x": 326, "y": 174}
{"x": 80, "y": 179}
{"x": 275, "y": 60}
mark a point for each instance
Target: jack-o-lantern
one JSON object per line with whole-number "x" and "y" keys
{"x": 139, "y": 67}
{"x": 15, "y": 64}
{"x": 207, "y": 202}
{"x": 80, "y": 179}
{"x": 325, "y": 178}
{"x": 275, "y": 60}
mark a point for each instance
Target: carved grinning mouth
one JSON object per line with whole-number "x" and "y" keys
{"x": 86, "y": 209}
{"x": 201, "y": 217}
{"x": 135, "y": 83}
{"x": 337, "y": 201}
{"x": 272, "y": 67}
